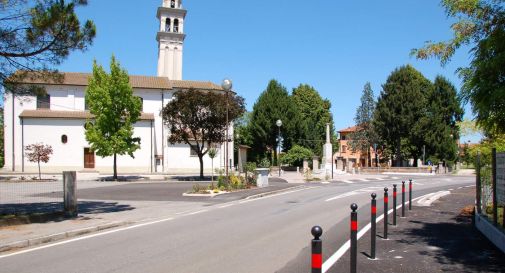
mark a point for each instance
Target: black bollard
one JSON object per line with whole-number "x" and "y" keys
{"x": 354, "y": 237}
{"x": 386, "y": 201}
{"x": 410, "y": 194}
{"x": 394, "y": 204}
{"x": 317, "y": 250}
{"x": 373, "y": 233}
{"x": 403, "y": 198}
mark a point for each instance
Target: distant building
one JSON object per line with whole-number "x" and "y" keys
{"x": 346, "y": 158}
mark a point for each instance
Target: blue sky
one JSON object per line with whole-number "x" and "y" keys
{"x": 335, "y": 46}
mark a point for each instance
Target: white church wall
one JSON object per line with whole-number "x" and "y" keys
{"x": 70, "y": 156}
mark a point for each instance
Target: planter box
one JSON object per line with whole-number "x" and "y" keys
{"x": 262, "y": 177}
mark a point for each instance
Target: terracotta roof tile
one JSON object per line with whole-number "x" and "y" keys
{"x": 349, "y": 129}
{"x": 45, "y": 113}
{"x": 147, "y": 82}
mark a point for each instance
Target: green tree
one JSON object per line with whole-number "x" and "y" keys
{"x": 198, "y": 118}
{"x": 400, "y": 108}
{"x": 273, "y": 104}
{"x": 315, "y": 114}
{"x": 36, "y": 35}
{"x": 365, "y": 136}
{"x": 295, "y": 156}
{"x": 110, "y": 99}
{"x": 444, "y": 114}
{"x": 480, "y": 23}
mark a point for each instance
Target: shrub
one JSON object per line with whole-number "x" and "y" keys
{"x": 295, "y": 156}
{"x": 264, "y": 163}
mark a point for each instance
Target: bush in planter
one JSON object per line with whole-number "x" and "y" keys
{"x": 264, "y": 163}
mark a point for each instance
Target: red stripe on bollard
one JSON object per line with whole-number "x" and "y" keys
{"x": 395, "y": 194}
{"x": 386, "y": 199}
{"x": 374, "y": 210}
{"x": 354, "y": 225}
{"x": 317, "y": 261}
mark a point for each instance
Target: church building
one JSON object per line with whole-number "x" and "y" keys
{"x": 58, "y": 117}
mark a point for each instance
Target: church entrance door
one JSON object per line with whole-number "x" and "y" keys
{"x": 89, "y": 158}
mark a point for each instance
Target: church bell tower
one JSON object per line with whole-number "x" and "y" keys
{"x": 170, "y": 39}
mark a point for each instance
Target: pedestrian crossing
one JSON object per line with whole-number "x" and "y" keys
{"x": 369, "y": 179}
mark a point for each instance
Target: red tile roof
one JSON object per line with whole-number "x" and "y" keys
{"x": 46, "y": 113}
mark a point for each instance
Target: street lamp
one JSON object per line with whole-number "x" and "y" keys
{"x": 279, "y": 124}
{"x": 226, "y": 85}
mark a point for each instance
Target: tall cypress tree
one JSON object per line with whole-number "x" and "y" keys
{"x": 315, "y": 114}
{"x": 401, "y": 108}
{"x": 365, "y": 136}
{"x": 273, "y": 104}
{"x": 444, "y": 112}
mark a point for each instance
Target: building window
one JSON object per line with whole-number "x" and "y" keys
{"x": 172, "y": 3}
{"x": 167, "y": 25}
{"x": 342, "y": 137}
{"x": 141, "y": 103}
{"x": 64, "y": 139}
{"x": 43, "y": 101}
{"x": 344, "y": 148}
{"x": 176, "y": 25}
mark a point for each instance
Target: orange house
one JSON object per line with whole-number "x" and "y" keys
{"x": 345, "y": 158}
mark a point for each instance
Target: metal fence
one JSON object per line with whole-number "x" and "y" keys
{"x": 26, "y": 195}
{"x": 490, "y": 200}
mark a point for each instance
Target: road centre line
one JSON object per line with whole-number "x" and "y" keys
{"x": 274, "y": 195}
{"x": 196, "y": 212}
{"x": 343, "y": 249}
{"x": 86, "y": 237}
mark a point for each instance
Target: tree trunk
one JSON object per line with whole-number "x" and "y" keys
{"x": 200, "y": 157}
{"x": 415, "y": 161}
{"x": 399, "y": 161}
{"x": 114, "y": 177}
{"x": 40, "y": 177}
{"x": 212, "y": 171}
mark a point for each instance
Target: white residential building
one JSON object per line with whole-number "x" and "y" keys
{"x": 58, "y": 118}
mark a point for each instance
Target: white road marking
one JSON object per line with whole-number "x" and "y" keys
{"x": 182, "y": 212}
{"x": 343, "y": 249}
{"x": 226, "y": 206}
{"x": 380, "y": 179}
{"x": 428, "y": 200}
{"x": 197, "y": 212}
{"x": 347, "y": 194}
{"x": 274, "y": 195}
{"x": 86, "y": 237}
{"x": 347, "y": 181}
{"x": 450, "y": 189}
{"x": 363, "y": 179}
{"x": 394, "y": 177}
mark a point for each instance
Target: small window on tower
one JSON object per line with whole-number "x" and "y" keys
{"x": 176, "y": 25}
{"x": 64, "y": 139}
{"x": 167, "y": 25}
{"x": 172, "y": 3}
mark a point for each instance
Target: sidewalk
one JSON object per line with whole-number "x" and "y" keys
{"x": 439, "y": 238}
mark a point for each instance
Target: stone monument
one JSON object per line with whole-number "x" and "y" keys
{"x": 327, "y": 151}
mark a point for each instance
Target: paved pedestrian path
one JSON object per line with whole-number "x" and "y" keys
{"x": 439, "y": 238}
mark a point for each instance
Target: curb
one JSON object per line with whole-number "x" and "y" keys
{"x": 259, "y": 195}
{"x": 58, "y": 236}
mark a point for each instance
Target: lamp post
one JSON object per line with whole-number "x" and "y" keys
{"x": 226, "y": 85}
{"x": 279, "y": 124}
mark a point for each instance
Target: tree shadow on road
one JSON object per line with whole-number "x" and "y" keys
{"x": 457, "y": 242}
{"x": 52, "y": 211}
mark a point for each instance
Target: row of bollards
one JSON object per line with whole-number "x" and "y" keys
{"x": 317, "y": 253}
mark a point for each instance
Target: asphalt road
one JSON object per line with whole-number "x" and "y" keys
{"x": 269, "y": 234}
